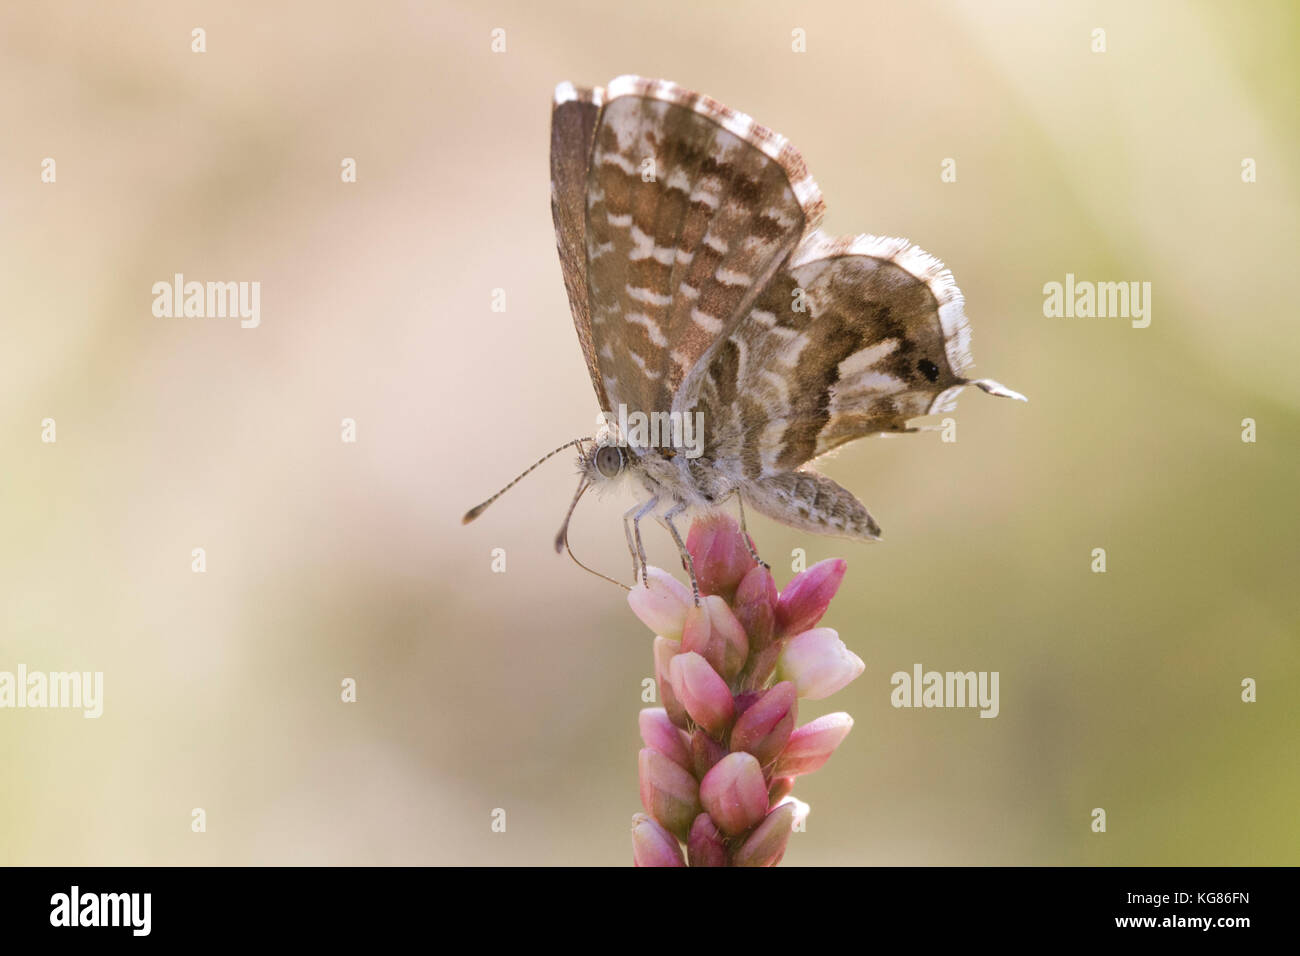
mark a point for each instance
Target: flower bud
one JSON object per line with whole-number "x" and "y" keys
{"x": 809, "y": 593}
{"x": 720, "y": 554}
{"x": 766, "y": 845}
{"x": 652, "y": 845}
{"x": 705, "y": 845}
{"x": 662, "y": 606}
{"x": 812, "y": 744}
{"x": 818, "y": 663}
{"x": 755, "y": 606}
{"x": 713, "y": 632}
{"x": 801, "y": 811}
{"x": 659, "y": 733}
{"x": 664, "y": 651}
{"x": 702, "y": 692}
{"x": 734, "y": 793}
{"x": 668, "y": 792}
{"x": 765, "y": 726}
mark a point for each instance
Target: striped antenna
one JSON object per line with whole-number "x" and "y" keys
{"x": 479, "y": 509}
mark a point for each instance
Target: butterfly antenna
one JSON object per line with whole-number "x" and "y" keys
{"x": 562, "y": 539}
{"x": 479, "y": 509}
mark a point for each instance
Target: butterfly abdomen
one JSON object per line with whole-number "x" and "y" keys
{"x": 811, "y": 502}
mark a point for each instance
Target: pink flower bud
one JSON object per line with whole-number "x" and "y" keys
{"x": 705, "y": 752}
{"x": 728, "y": 631}
{"x": 809, "y": 593}
{"x": 662, "y": 606}
{"x": 705, "y": 846}
{"x": 664, "y": 651}
{"x": 765, "y": 726}
{"x": 652, "y": 845}
{"x": 713, "y": 632}
{"x": 812, "y": 744}
{"x": 755, "y": 606}
{"x": 720, "y": 554}
{"x": 801, "y": 811}
{"x": 697, "y": 634}
{"x": 818, "y": 663}
{"x": 668, "y": 792}
{"x": 659, "y": 733}
{"x": 702, "y": 692}
{"x": 766, "y": 845}
{"x": 734, "y": 793}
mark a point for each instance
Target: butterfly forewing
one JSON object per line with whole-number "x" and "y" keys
{"x": 691, "y": 209}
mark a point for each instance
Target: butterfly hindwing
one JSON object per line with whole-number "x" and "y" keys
{"x": 856, "y": 336}
{"x": 853, "y": 337}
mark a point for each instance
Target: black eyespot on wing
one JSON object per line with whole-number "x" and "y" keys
{"x": 928, "y": 369}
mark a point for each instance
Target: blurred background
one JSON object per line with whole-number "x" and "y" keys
{"x": 519, "y": 690}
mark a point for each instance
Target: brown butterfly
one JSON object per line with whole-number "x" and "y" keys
{"x": 731, "y": 342}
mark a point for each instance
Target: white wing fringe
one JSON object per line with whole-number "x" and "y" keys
{"x": 997, "y": 388}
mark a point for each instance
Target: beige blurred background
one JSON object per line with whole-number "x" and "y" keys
{"x": 520, "y": 690}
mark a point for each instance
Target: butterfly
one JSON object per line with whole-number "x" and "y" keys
{"x": 730, "y": 341}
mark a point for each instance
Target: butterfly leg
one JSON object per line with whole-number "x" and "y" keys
{"x": 753, "y": 553}
{"x": 633, "y": 530}
{"x": 631, "y": 548}
{"x": 687, "y": 561}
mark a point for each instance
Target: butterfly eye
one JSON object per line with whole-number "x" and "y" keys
{"x": 609, "y": 460}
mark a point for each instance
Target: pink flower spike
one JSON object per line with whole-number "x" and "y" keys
{"x": 659, "y": 733}
{"x": 755, "y": 606}
{"x": 764, "y": 728}
{"x": 818, "y": 663}
{"x": 722, "y": 750}
{"x": 720, "y": 554}
{"x": 766, "y": 845}
{"x": 734, "y": 793}
{"x": 706, "y": 846}
{"x": 809, "y": 593}
{"x": 652, "y": 845}
{"x": 668, "y": 792}
{"x": 812, "y": 744}
{"x": 662, "y": 606}
{"x": 702, "y": 692}
{"x": 664, "y": 651}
